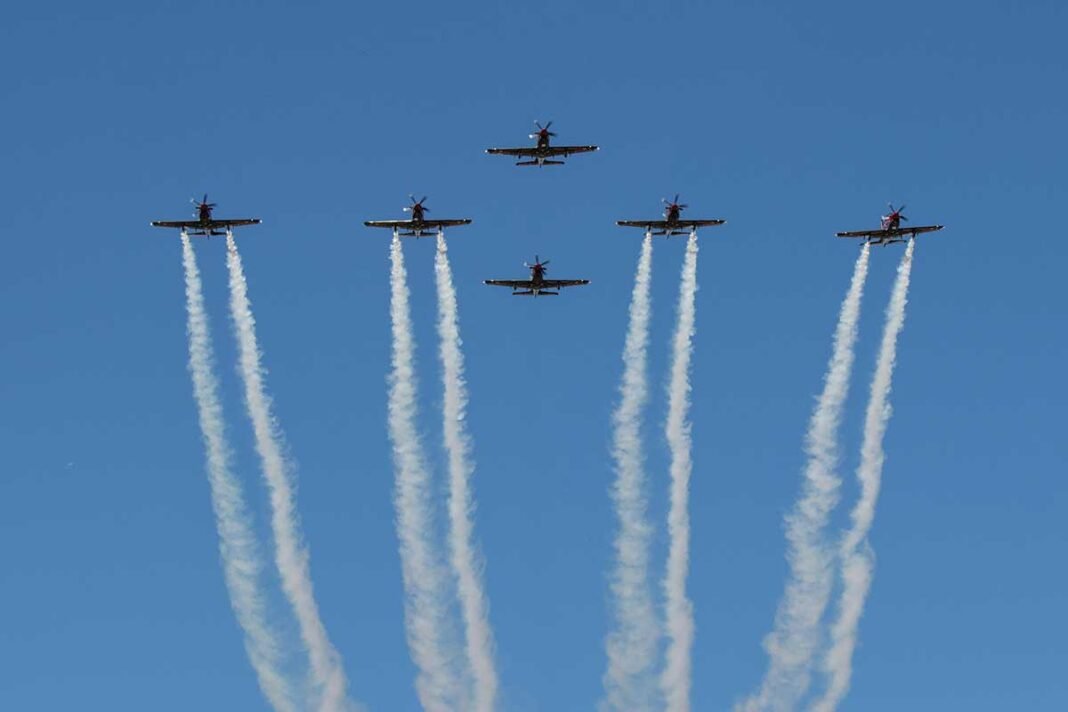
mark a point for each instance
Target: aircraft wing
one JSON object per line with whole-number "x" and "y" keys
{"x": 534, "y": 151}
{"x": 665, "y": 225}
{"x": 558, "y": 283}
{"x": 566, "y": 150}
{"x": 513, "y": 151}
{"x": 890, "y": 233}
{"x": 699, "y": 223}
{"x": 863, "y": 233}
{"x": 921, "y": 229}
{"x": 180, "y": 224}
{"x": 234, "y": 223}
{"x": 646, "y": 224}
{"x": 393, "y": 224}
{"x": 513, "y": 283}
{"x": 446, "y": 223}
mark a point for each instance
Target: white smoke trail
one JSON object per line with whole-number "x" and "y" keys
{"x": 856, "y": 555}
{"x": 792, "y": 644}
{"x": 632, "y": 644}
{"x": 675, "y": 679}
{"x": 466, "y": 562}
{"x": 291, "y": 555}
{"x": 424, "y": 580}
{"x": 240, "y": 555}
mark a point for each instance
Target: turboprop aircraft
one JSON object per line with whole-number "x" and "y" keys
{"x": 542, "y": 153}
{"x": 672, "y": 224}
{"x": 537, "y": 285}
{"x": 890, "y": 230}
{"x": 205, "y": 225}
{"x": 419, "y": 225}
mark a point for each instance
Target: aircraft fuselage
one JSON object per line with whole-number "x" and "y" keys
{"x": 537, "y": 279}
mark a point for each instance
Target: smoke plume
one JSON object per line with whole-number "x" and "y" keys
{"x": 792, "y": 644}
{"x": 466, "y": 562}
{"x": 857, "y": 559}
{"x": 676, "y": 677}
{"x": 632, "y": 644}
{"x": 242, "y": 565}
{"x": 291, "y": 555}
{"x": 425, "y": 581}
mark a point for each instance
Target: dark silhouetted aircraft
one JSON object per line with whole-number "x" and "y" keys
{"x": 205, "y": 225}
{"x": 537, "y": 285}
{"x": 890, "y": 230}
{"x": 543, "y": 152}
{"x": 672, "y": 224}
{"x": 419, "y": 225}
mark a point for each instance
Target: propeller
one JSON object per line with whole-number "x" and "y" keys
{"x": 897, "y": 212}
{"x": 202, "y": 203}
{"x": 537, "y": 263}
{"x": 675, "y": 202}
{"x": 416, "y": 203}
{"x": 543, "y": 129}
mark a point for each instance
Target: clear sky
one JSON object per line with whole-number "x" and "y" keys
{"x": 790, "y": 120}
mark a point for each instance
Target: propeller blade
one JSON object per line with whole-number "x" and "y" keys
{"x": 901, "y": 209}
{"x": 422, "y": 200}
{"x": 676, "y": 200}
{"x": 548, "y": 124}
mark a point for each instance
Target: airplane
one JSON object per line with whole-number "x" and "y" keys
{"x": 418, "y": 226}
{"x": 205, "y": 225}
{"x": 537, "y": 285}
{"x": 542, "y": 153}
{"x": 672, "y": 224}
{"x": 890, "y": 230}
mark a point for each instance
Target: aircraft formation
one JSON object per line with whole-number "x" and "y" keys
{"x": 543, "y": 153}
{"x": 427, "y": 585}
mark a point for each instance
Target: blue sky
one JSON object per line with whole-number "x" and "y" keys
{"x": 791, "y": 122}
